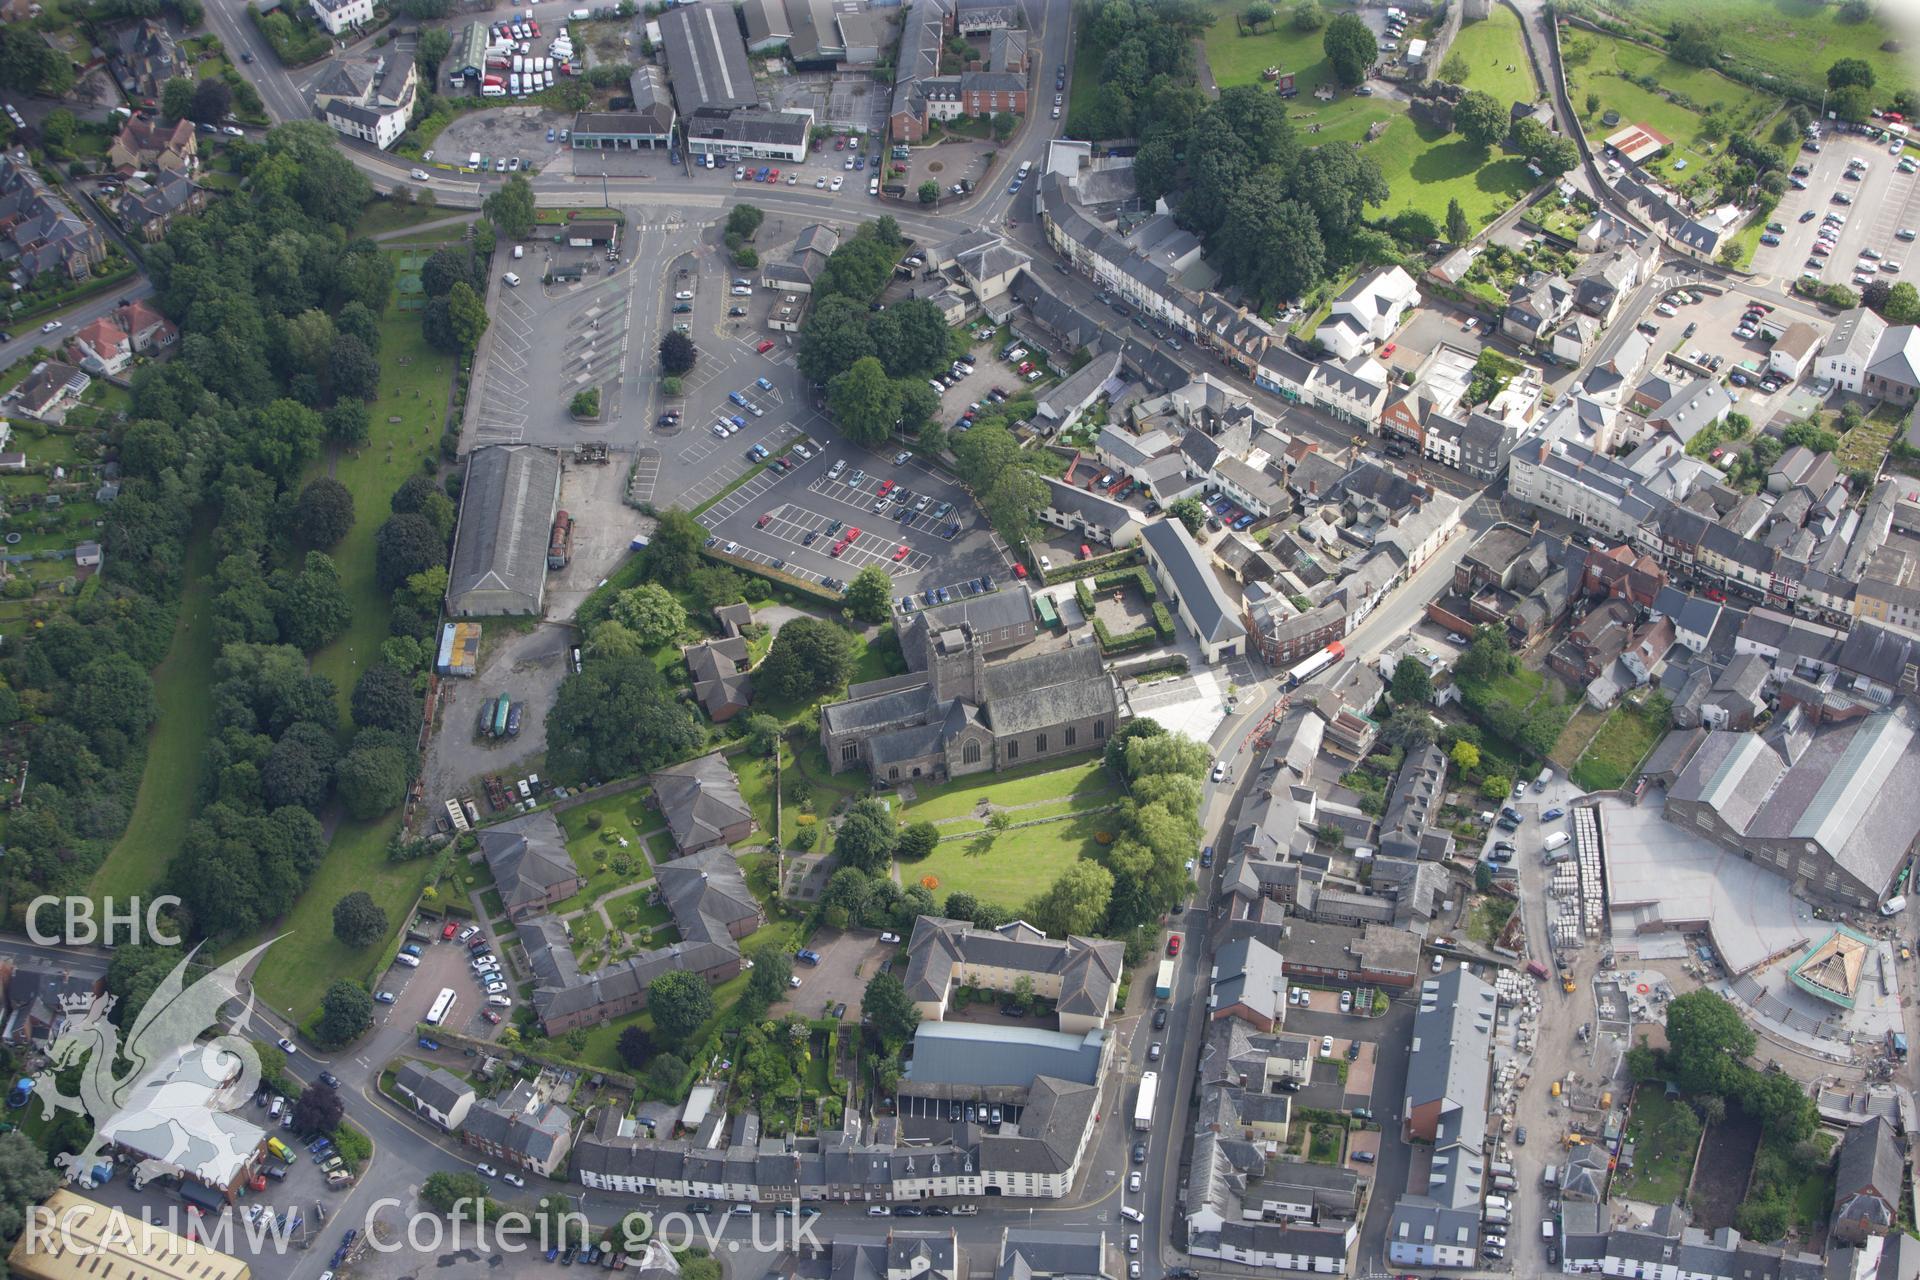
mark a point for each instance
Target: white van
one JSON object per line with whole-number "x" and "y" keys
{"x": 512, "y": 280}
{"x": 1555, "y": 841}
{"x": 278, "y": 1105}
{"x": 1499, "y": 1202}
{"x": 473, "y": 160}
{"x": 1132, "y": 1214}
{"x": 412, "y": 962}
{"x": 873, "y": 186}
{"x": 519, "y": 251}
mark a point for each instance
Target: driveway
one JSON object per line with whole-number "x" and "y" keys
{"x": 848, "y": 961}
{"x": 527, "y": 666}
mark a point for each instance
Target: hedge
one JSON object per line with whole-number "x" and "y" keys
{"x": 776, "y": 577}
{"x": 1084, "y": 595}
{"x": 1111, "y": 644}
{"x": 1162, "y": 620}
{"x": 1088, "y": 568}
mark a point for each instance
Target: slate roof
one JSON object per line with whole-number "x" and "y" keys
{"x": 1250, "y": 973}
{"x": 521, "y": 1124}
{"x": 707, "y": 58}
{"x": 1052, "y": 1126}
{"x": 1095, "y": 508}
{"x": 1089, "y": 968}
{"x": 1192, "y": 578}
{"x": 528, "y": 857}
{"x": 981, "y": 1055}
{"x": 1061, "y": 686}
{"x": 707, "y": 894}
{"x": 700, "y": 800}
{"x": 1897, "y": 356}
{"x": 506, "y": 517}
{"x": 433, "y": 1086}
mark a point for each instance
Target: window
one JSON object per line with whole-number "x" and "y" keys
{"x": 893, "y": 774}
{"x": 1099, "y": 730}
{"x": 970, "y": 753}
{"x": 1072, "y": 734}
{"x": 1013, "y": 751}
{"x": 1039, "y": 743}
{"x": 849, "y": 753}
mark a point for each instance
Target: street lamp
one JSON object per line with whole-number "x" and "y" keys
{"x": 605, "y": 201}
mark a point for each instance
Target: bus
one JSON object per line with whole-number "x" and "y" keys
{"x": 1163, "y": 985}
{"x": 442, "y": 1007}
{"x": 1313, "y": 666}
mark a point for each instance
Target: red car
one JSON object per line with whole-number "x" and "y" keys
{"x": 886, "y": 487}
{"x": 1019, "y": 571}
{"x": 773, "y": 175}
{"x": 761, "y": 523}
{"x": 493, "y": 1016}
{"x": 853, "y": 534}
{"x": 1086, "y": 552}
{"x": 838, "y": 547}
{"x": 766, "y": 345}
{"x": 1173, "y": 945}
{"x": 448, "y": 930}
{"x": 900, "y": 553}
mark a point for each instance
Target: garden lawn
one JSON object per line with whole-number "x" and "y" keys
{"x": 601, "y": 877}
{"x": 392, "y": 215}
{"x": 295, "y": 972}
{"x": 1497, "y": 57}
{"x": 1661, "y": 1170}
{"x": 1797, "y": 39}
{"x": 1049, "y": 780}
{"x": 1599, "y": 63}
{"x": 1863, "y": 448}
{"x": 176, "y": 747}
{"x": 1239, "y": 59}
{"x": 1619, "y": 747}
{"x": 414, "y": 384}
{"x": 1425, "y": 168}
{"x": 1009, "y": 870}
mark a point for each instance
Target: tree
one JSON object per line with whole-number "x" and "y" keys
{"x": 745, "y": 220}
{"x": 25, "y": 1179}
{"x": 1707, "y": 1042}
{"x": 1411, "y": 683}
{"x": 887, "y": 1009}
{"x": 373, "y": 776}
{"x": 1496, "y": 786}
{"x": 1695, "y": 40}
{"x": 680, "y": 1001}
{"x": 403, "y": 546}
{"x": 1350, "y": 48}
{"x": 1077, "y": 901}
{"x": 651, "y": 613}
{"x": 809, "y": 657}
{"x": 1004, "y": 123}
{"x": 615, "y": 717}
{"x": 27, "y": 63}
{"x": 1850, "y": 71}
{"x": 511, "y": 208}
{"x": 1903, "y": 304}
{"x": 916, "y": 842}
{"x": 1167, "y": 753}
{"x": 445, "y": 1190}
{"x": 929, "y": 192}
{"x": 446, "y": 268}
{"x": 1480, "y": 118}
{"x": 1410, "y": 727}
{"x": 1455, "y": 69}
{"x": 176, "y": 98}
{"x": 1257, "y": 15}
{"x": 345, "y": 1012}
{"x": 870, "y": 595}
{"x": 383, "y": 698}
{"x": 863, "y": 401}
{"x": 434, "y": 45}
{"x": 1856, "y": 11}
{"x": 211, "y": 101}
{"x": 454, "y": 323}
{"x": 1308, "y": 16}
{"x": 317, "y": 1110}
{"x": 677, "y": 354}
{"x": 635, "y": 1046}
{"x": 1190, "y": 512}
{"x": 358, "y": 920}
{"x": 834, "y": 336}
{"x": 772, "y": 967}
{"x": 1459, "y": 230}
{"x": 674, "y": 552}
{"x": 1465, "y": 756}
{"x": 353, "y": 371}
{"x": 665, "y": 1075}
{"x": 866, "y": 838}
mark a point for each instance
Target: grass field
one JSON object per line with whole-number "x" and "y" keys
{"x": 1662, "y": 1167}
{"x": 1011, "y": 869}
{"x": 414, "y": 380}
{"x": 1797, "y": 39}
{"x": 1598, "y": 64}
{"x": 1050, "y": 780}
{"x": 1496, "y": 57}
{"x": 1237, "y": 59}
{"x": 392, "y": 215}
{"x": 176, "y": 747}
{"x": 1619, "y": 747}
{"x": 1425, "y": 168}
{"x": 1863, "y": 448}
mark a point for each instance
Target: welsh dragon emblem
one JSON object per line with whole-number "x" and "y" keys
{"x": 163, "y": 1086}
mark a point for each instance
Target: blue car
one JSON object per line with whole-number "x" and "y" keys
{"x": 763, "y": 384}
{"x": 428, "y": 1044}
{"x": 929, "y": 596}
{"x": 859, "y": 162}
{"x": 737, "y": 420}
{"x": 944, "y": 597}
{"x": 906, "y": 604}
{"x": 550, "y": 135}
{"x": 1552, "y": 814}
{"x": 737, "y": 398}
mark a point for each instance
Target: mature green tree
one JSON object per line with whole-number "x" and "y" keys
{"x": 651, "y": 613}
{"x": 27, "y": 63}
{"x": 677, "y": 354}
{"x": 763, "y": 734}
{"x": 870, "y": 595}
{"x": 772, "y": 966}
{"x": 809, "y": 657}
{"x": 1350, "y": 48}
{"x": 916, "y": 842}
{"x": 313, "y": 608}
{"x": 614, "y": 718}
{"x": 1455, "y": 69}
{"x": 324, "y": 512}
{"x": 434, "y": 45}
{"x": 1707, "y": 1042}
{"x": 1480, "y": 118}
{"x": 1257, "y": 15}
{"x": 1260, "y": 220}
{"x": 929, "y": 192}
{"x": 466, "y": 318}
{"x": 833, "y": 338}
{"x": 176, "y": 98}
{"x": 383, "y": 698}
{"x": 511, "y": 208}
{"x": 1077, "y": 901}
{"x": 1167, "y": 753}
{"x": 1695, "y": 40}
{"x": 680, "y": 1001}
{"x": 299, "y": 767}
{"x": 1337, "y": 183}
{"x": 1191, "y": 512}
{"x": 885, "y": 1005}
{"x": 1410, "y": 727}
{"x": 111, "y": 695}
{"x": 446, "y": 268}
{"x": 373, "y": 776}
{"x": 673, "y": 552}
{"x": 1849, "y": 71}
{"x": 1903, "y": 304}
{"x": 911, "y": 338}
{"x": 348, "y": 423}
{"x": 353, "y": 371}
{"x": 664, "y": 1079}
{"x": 1308, "y": 16}
{"x": 358, "y": 920}
{"x": 866, "y": 837}
{"x": 745, "y": 220}
{"x": 211, "y": 101}
{"x": 1412, "y": 685}
{"x": 918, "y": 405}
{"x": 1459, "y": 230}
{"x": 844, "y": 900}
{"x": 863, "y": 401}
{"x": 405, "y": 545}
{"x": 345, "y": 1011}
{"x": 445, "y": 1190}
